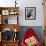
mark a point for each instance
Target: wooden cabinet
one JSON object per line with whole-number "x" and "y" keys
{"x": 8, "y": 25}
{"x": 10, "y": 43}
{"x": 6, "y": 12}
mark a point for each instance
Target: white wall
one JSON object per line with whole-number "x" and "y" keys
{"x": 39, "y": 12}
{"x": 27, "y": 3}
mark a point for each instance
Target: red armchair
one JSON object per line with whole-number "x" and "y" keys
{"x": 30, "y": 34}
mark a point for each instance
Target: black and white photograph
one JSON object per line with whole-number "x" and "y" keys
{"x": 30, "y": 13}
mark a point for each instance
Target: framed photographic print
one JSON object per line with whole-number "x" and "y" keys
{"x": 5, "y": 12}
{"x": 30, "y": 13}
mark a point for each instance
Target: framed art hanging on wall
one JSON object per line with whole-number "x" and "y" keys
{"x": 30, "y": 13}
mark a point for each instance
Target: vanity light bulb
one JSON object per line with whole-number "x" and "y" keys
{"x": 15, "y": 30}
{"x": 12, "y": 10}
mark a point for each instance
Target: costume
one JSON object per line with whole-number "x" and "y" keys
{"x": 30, "y": 38}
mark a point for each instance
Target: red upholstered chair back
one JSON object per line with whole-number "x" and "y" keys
{"x": 29, "y": 33}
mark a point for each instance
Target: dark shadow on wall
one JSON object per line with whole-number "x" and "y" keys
{"x": 37, "y": 29}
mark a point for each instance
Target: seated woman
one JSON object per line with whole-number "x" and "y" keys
{"x": 30, "y": 38}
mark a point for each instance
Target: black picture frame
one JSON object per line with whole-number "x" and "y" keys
{"x": 30, "y": 13}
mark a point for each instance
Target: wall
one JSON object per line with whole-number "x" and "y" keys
{"x": 27, "y": 3}
{"x": 44, "y": 12}
{"x": 39, "y": 12}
